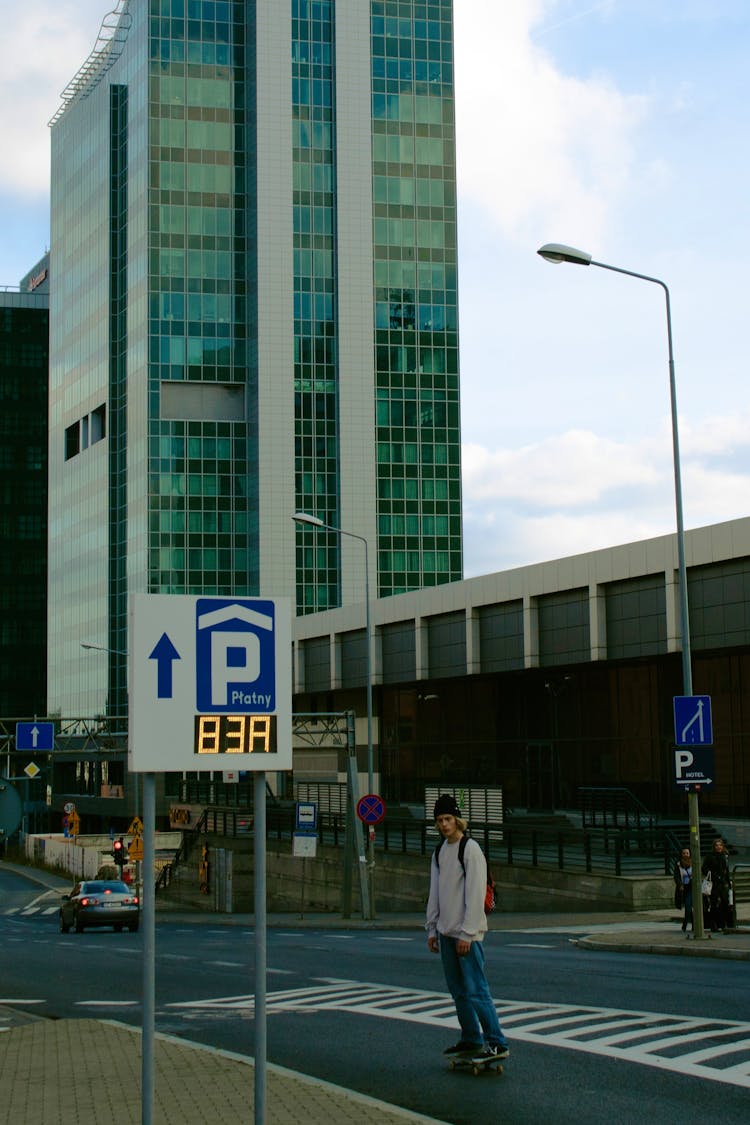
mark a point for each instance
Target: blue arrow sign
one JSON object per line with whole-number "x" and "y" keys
{"x": 35, "y": 736}
{"x": 164, "y": 653}
{"x": 692, "y": 720}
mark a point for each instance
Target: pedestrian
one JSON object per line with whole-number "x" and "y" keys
{"x": 683, "y": 887}
{"x": 456, "y": 925}
{"x": 716, "y": 865}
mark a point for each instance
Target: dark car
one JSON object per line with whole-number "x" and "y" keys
{"x": 100, "y": 902}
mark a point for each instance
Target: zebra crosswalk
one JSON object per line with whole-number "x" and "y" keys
{"x": 28, "y": 911}
{"x": 718, "y": 1050}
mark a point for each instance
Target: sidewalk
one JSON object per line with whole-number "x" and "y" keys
{"x": 89, "y": 1071}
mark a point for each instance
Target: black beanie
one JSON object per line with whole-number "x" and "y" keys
{"x": 446, "y": 804}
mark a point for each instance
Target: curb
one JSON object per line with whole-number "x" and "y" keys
{"x": 681, "y": 949}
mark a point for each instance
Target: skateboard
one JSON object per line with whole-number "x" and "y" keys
{"x": 476, "y": 1063}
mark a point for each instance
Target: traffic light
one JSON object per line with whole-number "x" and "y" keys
{"x": 120, "y": 852}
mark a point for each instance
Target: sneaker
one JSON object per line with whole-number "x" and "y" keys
{"x": 462, "y": 1048}
{"x": 494, "y": 1051}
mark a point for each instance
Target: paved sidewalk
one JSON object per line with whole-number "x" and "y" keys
{"x": 89, "y": 1072}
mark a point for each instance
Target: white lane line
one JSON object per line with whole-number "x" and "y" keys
{"x": 528, "y": 945}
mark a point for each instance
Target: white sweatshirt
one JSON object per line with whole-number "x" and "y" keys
{"x": 456, "y": 903}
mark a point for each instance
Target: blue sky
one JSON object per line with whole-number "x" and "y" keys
{"x": 619, "y": 127}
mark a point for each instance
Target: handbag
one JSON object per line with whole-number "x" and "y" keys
{"x": 707, "y": 885}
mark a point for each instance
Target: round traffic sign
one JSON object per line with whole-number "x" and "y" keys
{"x": 371, "y": 809}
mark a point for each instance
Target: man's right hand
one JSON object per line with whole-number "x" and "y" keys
{"x": 433, "y": 945}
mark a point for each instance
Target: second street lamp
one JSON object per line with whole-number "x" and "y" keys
{"x": 315, "y": 521}
{"x": 557, "y": 252}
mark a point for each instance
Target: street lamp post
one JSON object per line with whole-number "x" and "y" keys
{"x": 556, "y": 253}
{"x": 315, "y": 521}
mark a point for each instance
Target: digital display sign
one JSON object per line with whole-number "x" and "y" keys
{"x": 235, "y": 734}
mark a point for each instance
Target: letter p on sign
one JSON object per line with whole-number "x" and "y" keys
{"x": 683, "y": 759}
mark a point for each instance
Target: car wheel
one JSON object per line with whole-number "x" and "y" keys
{"x": 64, "y": 927}
{"x": 133, "y": 927}
{"x": 117, "y": 927}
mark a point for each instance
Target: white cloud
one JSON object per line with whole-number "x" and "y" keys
{"x": 537, "y": 149}
{"x": 580, "y": 492}
{"x": 574, "y": 468}
{"x": 41, "y": 48}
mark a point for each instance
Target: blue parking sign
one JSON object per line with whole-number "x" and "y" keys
{"x": 235, "y": 663}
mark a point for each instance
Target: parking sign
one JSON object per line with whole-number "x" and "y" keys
{"x": 210, "y": 683}
{"x": 234, "y": 656}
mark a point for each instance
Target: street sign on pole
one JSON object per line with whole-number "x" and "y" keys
{"x": 210, "y": 688}
{"x": 210, "y": 683}
{"x": 371, "y": 809}
{"x": 307, "y": 816}
{"x": 35, "y": 736}
{"x": 693, "y": 767}
{"x": 692, "y": 720}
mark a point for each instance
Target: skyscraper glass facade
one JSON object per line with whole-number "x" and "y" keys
{"x": 416, "y": 314}
{"x": 253, "y": 227}
{"x": 24, "y": 338}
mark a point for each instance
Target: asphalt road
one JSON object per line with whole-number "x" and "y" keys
{"x": 595, "y": 1038}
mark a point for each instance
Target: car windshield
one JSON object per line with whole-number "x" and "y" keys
{"x": 108, "y": 887}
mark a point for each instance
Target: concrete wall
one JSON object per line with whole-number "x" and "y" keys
{"x": 402, "y": 885}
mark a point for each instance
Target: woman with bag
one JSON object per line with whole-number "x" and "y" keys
{"x": 683, "y": 887}
{"x": 716, "y": 869}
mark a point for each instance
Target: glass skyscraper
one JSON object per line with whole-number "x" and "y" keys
{"x": 24, "y": 340}
{"x": 254, "y": 312}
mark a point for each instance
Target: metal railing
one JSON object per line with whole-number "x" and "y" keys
{"x": 623, "y": 851}
{"x": 603, "y": 806}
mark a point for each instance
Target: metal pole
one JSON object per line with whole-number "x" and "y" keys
{"x": 687, "y": 675}
{"x": 313, "y": 521}
{"x": 260, "y": 947}
{"x": 370, "y": 771}
{"x": 149, "y": 949}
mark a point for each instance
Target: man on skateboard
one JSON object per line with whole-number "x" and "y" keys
{"x": 456, "y": 925}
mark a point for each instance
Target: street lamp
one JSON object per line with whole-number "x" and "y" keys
{"x": 315, "y": 521}
{"x": 557, "y": 252}
{"x": 103, "y": 648}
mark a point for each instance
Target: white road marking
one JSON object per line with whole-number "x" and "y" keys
{"x": 648, "y": 1038}
{"x": 529, "y": 945}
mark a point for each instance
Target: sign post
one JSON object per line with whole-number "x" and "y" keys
{"x": 210, "y": 688}
{"x": 693, "y": 736}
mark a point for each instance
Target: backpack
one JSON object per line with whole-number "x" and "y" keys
{"x": 490, "y": 900}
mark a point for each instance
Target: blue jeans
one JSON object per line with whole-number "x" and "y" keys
{"x": 468, "y": 986}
